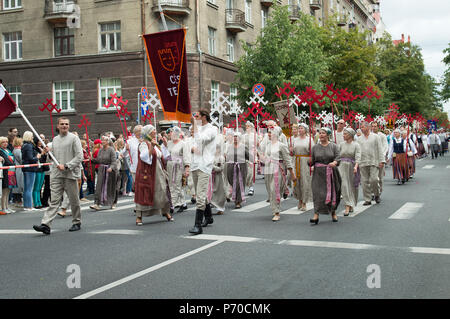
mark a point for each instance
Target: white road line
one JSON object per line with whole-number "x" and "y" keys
{"x": 448, "y": 166}
{"x": 429, "y": 250}
{"x": 117, "y": 232}
{"x": 319, "y": 244}
{"x": 407, "y": 211}
{"x": 146, "y": 271}
{"x": 356, "y": 210}
{"x": 428, "y": 167}
{"x": 253, "y": 207}
{"x": 296, "y": 211}
{"x": 17, "y": 231}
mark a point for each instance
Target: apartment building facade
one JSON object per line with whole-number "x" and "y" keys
{"x": 78, "y": 52}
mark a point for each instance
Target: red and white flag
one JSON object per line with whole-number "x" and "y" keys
{"x": 7, "y": 104}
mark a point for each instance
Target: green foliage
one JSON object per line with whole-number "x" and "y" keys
{"x": 445, "y": 93}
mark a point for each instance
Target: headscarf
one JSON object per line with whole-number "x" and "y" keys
{"x": 350, "y": 131}
{"x": 250, "y": 123}
{"x": 327, "y": 130}
{"x": 305, "y": 126}
{"x": 147, "y": 130}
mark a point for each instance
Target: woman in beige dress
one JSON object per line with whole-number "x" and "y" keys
{"x": 177, "y": 165}
{"x": 349, "y": 156}
{"x": 302, "y": 145}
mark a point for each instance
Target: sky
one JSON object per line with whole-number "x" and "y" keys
{"x": 428, "y": 24}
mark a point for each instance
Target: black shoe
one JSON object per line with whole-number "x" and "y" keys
{"x": 180, "y": 210}
{"x": 373, "y": 197}
{"x": 314, "y": 221}
{"x": 367, "y": 203}
{"x": 377, "y": 199}
{"x": 251, "y": 192}
{"x": 193, "y": 200}
{"x": 285, "y": 196}
{"x": 197, "y": 229}
{"x": 75, "y": 227}
{"x": 42, "y": 228}
{"x": 208, "y": 216}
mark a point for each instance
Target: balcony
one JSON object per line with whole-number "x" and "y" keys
{"x": 342, "y": 21}
{"x": 235, "y": 20}
{"x": 173, "y": 7}
{"x": 294, "y": 12}
{"x": 315, "y": 4}
{"x": 57, "y": 12}
{"x": 267, "y": 3}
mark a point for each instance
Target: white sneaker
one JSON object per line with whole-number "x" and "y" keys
{"x": 9, "y": 211}
{"x": 130, "y": 194}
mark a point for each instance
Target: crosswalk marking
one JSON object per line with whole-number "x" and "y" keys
{"x": 407, "y": 211}
{"x": 252, "y": 207}
{"x": 318, "y": 244}
{"x": 356, "y": 210}
{"x": 295, "y": 211}
{"x": 428, "y": 167}
{"x": 448, "y": 166}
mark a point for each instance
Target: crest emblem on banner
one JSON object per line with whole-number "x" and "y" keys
{"x": 169, "y": 56}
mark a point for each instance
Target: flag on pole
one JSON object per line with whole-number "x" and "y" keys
{"x": 7, "y": 104}
{"x": 166, "y": 52}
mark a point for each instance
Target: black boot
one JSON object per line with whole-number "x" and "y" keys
{"x": 197, "y": 229}
{"x": 208, "y": 216}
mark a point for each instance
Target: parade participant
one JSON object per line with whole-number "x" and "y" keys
{"x": 411, "y": 155}
{"x": 444, "y": 143}
{"x": 66, "y": 148}
{"x": 384, "y": 148}
{"x": 420, "y": 146}
{"x": 124, "y": 160}
{"x": 107, "y": 175}
{"x": 350, "y": 157}
{"x": 228, "y": 144}
{"x": 397, "y": 153}
{"x": 275, "y": 174}
{"x": 326, "y": 180}
{"x": 434, "y": 143}
{"x": 152, "y": 194}
{"x": 17, "y": 152}
{"x": 40, "y": 174}
{"x": 178, "y": 168}
{"x": 372, "y": 159}
{"x": 203, "y": 153}
{"x": 133, "y": 144}
{"x": 340, "y": 132}
{"x": 216, "y": 187}
{"x": 250, "y": 141}
{"x": 424, "y": 138}
{"x": 190, "y": 183}
{"x": 302, "y": 145}
{"x": 236, "y": 168}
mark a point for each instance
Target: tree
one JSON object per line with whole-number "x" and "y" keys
{"x": 445, "y": 93}
{"x": 284, "y": 52}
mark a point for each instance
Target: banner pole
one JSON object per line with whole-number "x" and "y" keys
{"x": 36, "y": 134}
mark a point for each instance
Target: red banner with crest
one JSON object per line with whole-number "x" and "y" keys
{"x": 166, "y": 52}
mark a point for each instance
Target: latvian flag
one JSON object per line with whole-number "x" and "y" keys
{"x": 7, "y": 104}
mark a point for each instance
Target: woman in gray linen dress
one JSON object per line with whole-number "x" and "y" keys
{"x": 216, "y": 188}
{"x": 177, "y": 166}
{"x": 275, "y": 176}
{"x": 236, "y": 168}
{"x": 106, "y": 188}
{"x": 300, "y": 152}
{"x": 349, "y": 156}
{"x": 326, "y": 180}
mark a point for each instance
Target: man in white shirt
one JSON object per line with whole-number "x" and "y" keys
{"x": 384, "y": 147}
{"x": 434, "y": 143}
{"x": 340, "y": 132}
{"x": 203, "y": 153}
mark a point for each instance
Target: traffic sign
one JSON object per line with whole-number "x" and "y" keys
{"x": 259, "y": 89}
{"x": 144, "y": 93}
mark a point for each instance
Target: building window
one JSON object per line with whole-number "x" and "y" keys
{"x": 64, "y": 41}
{"x": 248, "y": 11}
{"x": 64, "y": 95}
{"x": 12, "y": 4}
{"x": 212, "y": 41}
{"x": 263, "y": 18}
{"x": 12, "y": 46}
{"x": 214, "y": 91}
{"x": 16, "y": 94}
{"x": 110, "y": 39}
{"x": 106, "y": 88}
{"x": 230, "y": 48}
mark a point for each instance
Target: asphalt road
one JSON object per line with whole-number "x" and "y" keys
{"x": 399, "y": 248}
